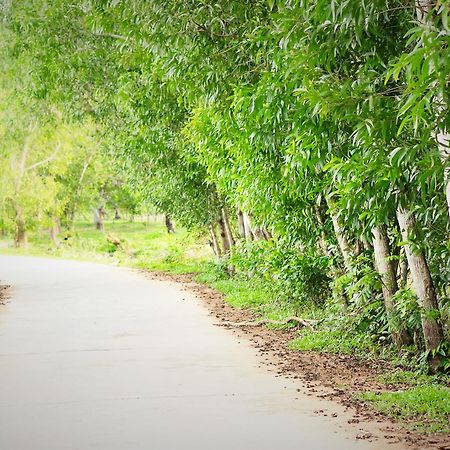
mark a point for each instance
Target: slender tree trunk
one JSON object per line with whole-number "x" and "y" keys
{"x": 322, "y": 238}
{"x": 20, "y": 238}
{"x": 249, "y": 235}
{"x": 223, "y": 236}
{"x": 169, "y": 224}
{"x": 214, "y": 242}
{"x": 387, "y": 272}
{"x": 55, "y": 230}
{"x": 241, "y": 225}
{"x": 422, "y": 284}
{"x": 228, "y": 232}
{"x": 344, "y": 245}
{"x": 98, "y": 219}
{"x": 267, "y": 234}
{"x": 402, "y": 269}
{"x": 259, "y": 234}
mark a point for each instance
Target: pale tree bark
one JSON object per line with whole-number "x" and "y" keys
{"x": 223, "y": 236}
{"x": 387, "y": 271}
{"x": 424, "y": 11}
{"x": 249, "y": 234}
{"x": 344, "y": 245}
{"x": 422, "y": 284}
{"x": 240, "y": 221}
{"x": 267, "y": 234}
{"x": 228, "y": 232}
{"x": 20, "y": 237}
{"x": 55, "y": 230}
{"x": 214, "y": 242}
{"x": 98, "y": 218}
{"x": 259, "y": 234}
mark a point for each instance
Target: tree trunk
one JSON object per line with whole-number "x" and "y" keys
{"x": 98, "y": 219}
{"x": 20, "y": 238}
{"x": 228, "y": 232}
{"x": 267, "y": 234}
{"x": 223, "y": 236}
{"x": 387, "y": 272}
{"x": 322, "y": 238}
{"x": 422, "y": 284}
{"x": 259, "y": 234}
{"x": 76, "y": 197}
{"x": 55, "y": 230}
{"x": 249, "y": 235}
{"x": 169, "y": 224}
{"x": 344, "y": 245}
{"x": 241, "y": 225}
{"x": 214, "y": 243}
{"x": 402, "y": 269}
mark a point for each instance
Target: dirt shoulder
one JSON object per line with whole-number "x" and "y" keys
{"x": 333, "y": 377}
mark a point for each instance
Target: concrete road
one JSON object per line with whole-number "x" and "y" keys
{"x": 99, "y": 357}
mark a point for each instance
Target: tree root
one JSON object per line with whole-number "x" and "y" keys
{"x": 300, "y": 322}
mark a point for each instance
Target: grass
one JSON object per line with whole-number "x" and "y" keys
{"x": 332, "y": 341}
{"x": 420, "y": 400}
{"x": 425, "y": 408}
{"x": 144, "y": 245}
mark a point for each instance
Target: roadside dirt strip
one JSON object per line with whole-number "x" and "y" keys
{"x": 327, "y": 376}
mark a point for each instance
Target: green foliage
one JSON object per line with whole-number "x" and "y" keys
{"x": 296, "y": 278}
{"x": 333, "y": 341}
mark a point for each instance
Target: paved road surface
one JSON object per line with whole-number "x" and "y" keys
{"x": 98, "y": 357}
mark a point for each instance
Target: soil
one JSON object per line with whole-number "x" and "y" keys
{"x": 334, "y": 377}
{"x": 3, "y": 294}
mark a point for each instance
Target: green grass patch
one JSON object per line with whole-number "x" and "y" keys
{"x": 332, "y": 341}
{"x": 407, "y": 378}
{"x": 239, "y": 292}
{"x": 143, "y": 245}
{"x": 244, "y": 293}
{"x": 425, "y": 408}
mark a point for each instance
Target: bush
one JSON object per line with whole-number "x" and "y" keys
{"x": 295, "y": 278}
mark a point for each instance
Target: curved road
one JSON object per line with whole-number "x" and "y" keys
{"x": 99, "y": 357}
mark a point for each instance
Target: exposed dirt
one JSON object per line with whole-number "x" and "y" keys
{"x": 3, "y": 294}
{"x": 334, "y": 377}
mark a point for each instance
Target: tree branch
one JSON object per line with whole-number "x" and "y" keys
{"x": 46, "y": 160}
